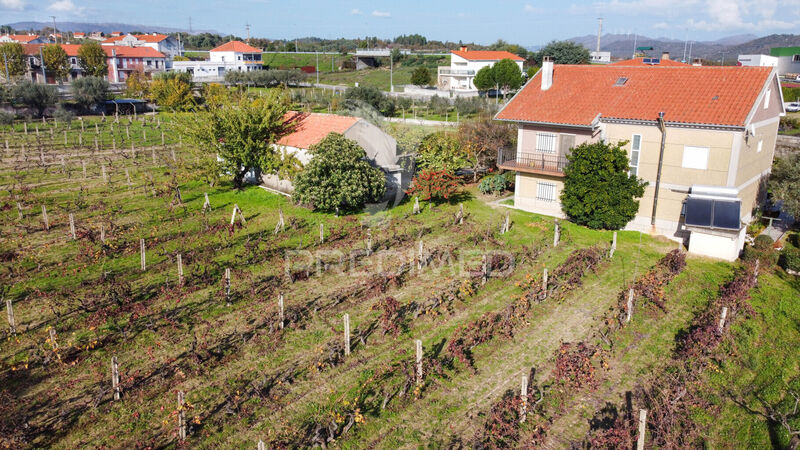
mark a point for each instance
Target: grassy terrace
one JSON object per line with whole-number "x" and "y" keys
{"x": 245, "y": 377}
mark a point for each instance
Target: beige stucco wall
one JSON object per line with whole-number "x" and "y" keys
{"x": 525, "y": 194}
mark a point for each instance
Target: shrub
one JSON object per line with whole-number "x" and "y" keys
{"x": 372, "y": 96}
{"x": 34, "y": 95}
{"x": 89, "y": 92}
{"x": 338, "y": 177}
{"x": 763, "y": 242}
{"x": 421, "y": 77}
{"x": 494, "y": 184}
{"x": 441, "y": 151}
{"x": 790, "y": 259}
{"x": 598, "y": 190}
{"x": 63, "y": 115}
{"x": 6, "y": 118}
{"x": 173, "y": 90}
{"x": 137, "y": 85}
{"x": 434, "y": 185}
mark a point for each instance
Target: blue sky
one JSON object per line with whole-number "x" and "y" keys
{"x": 524, "y": 22}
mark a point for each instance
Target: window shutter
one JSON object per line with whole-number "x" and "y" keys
{"x": 567, "y": 141}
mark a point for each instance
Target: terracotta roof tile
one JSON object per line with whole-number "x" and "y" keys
{"x": 236, "y": 46}
{"x": 686, "y": 94}
{"x": 485, "y": 55}
{"x": 640, "y": 62}
{"x": 314, "y": 127}
{"x": 22, "y": 38}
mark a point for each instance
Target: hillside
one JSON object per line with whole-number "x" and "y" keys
{"x": 105, "y": 27}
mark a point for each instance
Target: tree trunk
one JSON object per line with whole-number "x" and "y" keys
{"x": 238, "y": 179}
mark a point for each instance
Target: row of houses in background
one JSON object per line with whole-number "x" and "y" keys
{"x": 121, "y": 60}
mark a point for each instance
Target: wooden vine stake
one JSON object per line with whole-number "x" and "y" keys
{"x": 556, "y": 233}
{"x": 369, "y": 242}
{"x": 419, "y": 256}
{"x": 180, "y": 269}
{"x": 280, "y": 311}
{"x": 280, "y": 225}
{"x": 206, "y": 203}
{"x": 128, "y": 176}
{"x": 241, "y": 215}
{"x": 228, "y": 286}
{"x": 642, "y": 429}
{"x": 484, "y": 270}
{"x": 102, "y": 233}
{"x": 523, "y": 394}
{"x": 44, "y": 218}
{"x": 418, "y": 345}
{"x": 115, "y": 377}
{"x": 545, "y": 275}
{"x": 19, "y": 211}
{"x": 105, "y": 177}
{"x": 53, "y": 340}
{"x": 506, "y": 224}
{"x": 755, "y": 272}
{"x": 142, "y": 254}
{"x": 153, "y": 155}
{"x": 72, "y": 226}
{"x": 722, "y": 318}
{"x": 83, "y": 163}
{"x": 261, "y": 445}
{"x": 347, "y": 334}
{"x": 321, "y": 233}
{"x": 181, "y": 418}
{"x": 460, "y": 215}
{"x": 416, "y": 205}
{"x": 613, "y": 246}
{"x": 630, "y": 305}
{"x": 12, "y": 325}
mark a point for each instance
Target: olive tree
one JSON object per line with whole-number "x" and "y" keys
{"x": 89, "y": 92}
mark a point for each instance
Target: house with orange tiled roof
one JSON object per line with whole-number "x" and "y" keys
{"x": 23, "y": 39}
{"x": 121, "y": 61}
{"x": 380, "y": 148}
{"x": 233, "y": 56}
{"x": 465, "y": 63}
{"x": 163, "y": 43}
{"x": 702, "y": 137}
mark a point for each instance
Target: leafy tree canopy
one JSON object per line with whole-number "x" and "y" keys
{"x": 598, "y": 190}
{"x": 338, "y": 177}
{"x": 421, "y": 77}
{"x": 507, "y": 74}
{"x": 441, "y": 151}
{"x": 14, "y": 56}
{"x": 370, "y": 95}
{"x": 35, "y": 95}
{"x": 242, "y": 132}
{"x": 484, "y": 79}
{"x": 89, "y": 91}
{"x": 92, "y": 59}
{"x": 784, "y": 183}
{"x": 564, "y": 52}
{"x": 173, "y": 91}
{"x": 56, "y": 62}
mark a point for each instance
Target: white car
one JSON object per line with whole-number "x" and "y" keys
{"x": 793, "y": 107}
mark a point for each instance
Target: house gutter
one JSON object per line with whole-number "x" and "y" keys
{"x": 548, "y": 124}
{"x": 663, "y": 128}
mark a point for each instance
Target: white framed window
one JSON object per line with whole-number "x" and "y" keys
{"x": 695, "y": 157}
{"x": 545, "y": 191}
{"x": 546, "y": 142}
{"x": 636, "y": 147}
{"x": 795, "y": 58}
{"x": 766, "y": 98}
{"x": 760, "y": 146}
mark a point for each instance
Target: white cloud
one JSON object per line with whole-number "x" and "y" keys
{"x": 17, "y": 5}
{"x": 356, "y": 12}
{"x": 63, "y": 6}
{"x": 528, "y": 8}
{"x": 377, "y": 13}
{"x": 661, "y": 26}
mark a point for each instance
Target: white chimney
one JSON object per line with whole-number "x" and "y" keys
{"x": 665, "y": 56}
{"x": 547, "y": 72}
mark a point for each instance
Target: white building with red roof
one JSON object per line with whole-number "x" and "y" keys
{"x": 121, "y": 60}
{"x": 465, "y": 63}
{"x": 23, "y": 39}
{"x": 167, "y": 45}
{"x": 230, "y": 56}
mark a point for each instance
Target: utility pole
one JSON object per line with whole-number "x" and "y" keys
{"x": 190, "y": 24}
{"x": 41, "y": 61}
{"x": 599, "y": 32}
{"x": 247, "y": 27}
{"x": 5, "y": 61}
{"x": 295, "y": 45}
{"x": 391, "y": 72}
{"x": 55, "y": 30}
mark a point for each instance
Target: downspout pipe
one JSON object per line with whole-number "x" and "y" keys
{"x": 663, "y": 129}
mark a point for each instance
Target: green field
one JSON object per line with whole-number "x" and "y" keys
{"x": 252, "y": 372}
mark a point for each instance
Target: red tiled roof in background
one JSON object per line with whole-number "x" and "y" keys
{"x": 78, "y": 34}
{"x": 22, "y": 38}
{"x": 485, "y": 55}
{"x": 687, "y": 94}
{"x": 149, "y": 38}
{"x": 640, "y": 62}
{"x": 236, "y": 46}
{"x": 314, "y": 127}
{"x": 123, "y": 51}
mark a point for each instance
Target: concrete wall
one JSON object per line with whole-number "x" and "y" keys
{"x": 717, "y": 245}
{"x": 786, "y": 65}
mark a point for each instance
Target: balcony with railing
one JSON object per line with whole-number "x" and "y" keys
{"x": 540, "y": 163}
{"x": 446, "y": 70}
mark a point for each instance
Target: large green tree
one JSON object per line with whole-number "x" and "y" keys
{"x": 421, "y": 76}
{"x": 243, "y": 133}
{"x": 92, "y": 59}
{"x": 564, "y": 52}
{"x": 441, "y": 151}
{"x": 484, "y": 79}
{"x": 784, "y": 183}
{"x": 56, "y": 62}
{"x": 338, "y": 177}
{"x": 598, "y": 190}
{"x": 507, "y": 75}
{"x": 34, "y": 95}
{"x": 89, "y": 91}
{"x": 13, "y": 59}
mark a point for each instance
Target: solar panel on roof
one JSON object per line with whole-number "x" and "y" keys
{"x": 698, "y": 212}
{"x": 709, "y": 213}
{"x": 726, "y": 214}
